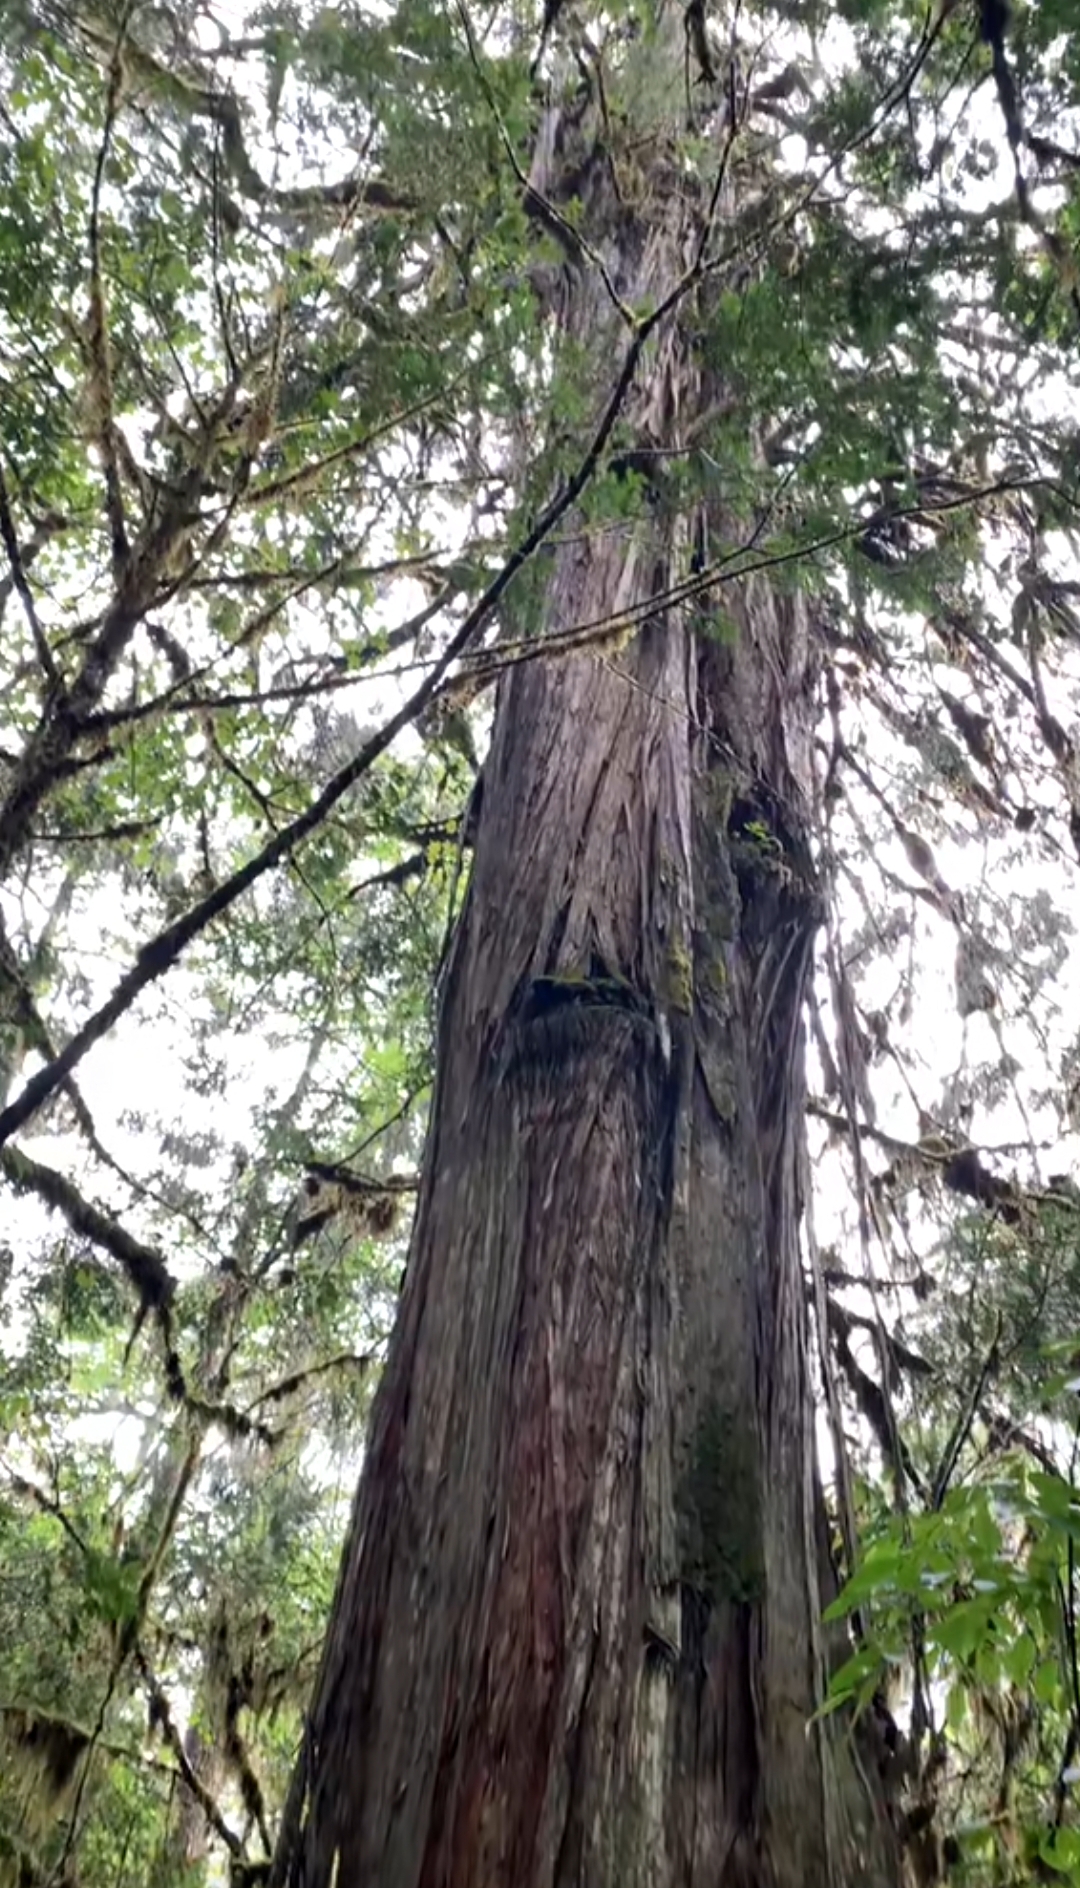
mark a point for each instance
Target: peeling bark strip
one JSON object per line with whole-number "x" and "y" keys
{"x": 575, "y": 1642}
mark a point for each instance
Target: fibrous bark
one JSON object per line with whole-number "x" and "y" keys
{"x": 576, "y": 1637}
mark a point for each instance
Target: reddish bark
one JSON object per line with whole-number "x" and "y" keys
{"x": 576, "y": 1638}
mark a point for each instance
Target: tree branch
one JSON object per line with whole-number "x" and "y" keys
{"x": 144, "y": 1266}
{"x": 19, "y": 580}
{"x": 103, "y": 428}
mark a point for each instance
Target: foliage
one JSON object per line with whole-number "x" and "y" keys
{"x": 282, "y": 435}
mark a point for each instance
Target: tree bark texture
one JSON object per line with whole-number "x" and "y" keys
{"x": 576, "y": 1641}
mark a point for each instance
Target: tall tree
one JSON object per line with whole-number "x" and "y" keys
{"x": 576, "y": 1637}
{"x": 577, "y": 1633}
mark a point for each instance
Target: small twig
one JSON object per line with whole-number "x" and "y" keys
{"x": 391, "y": 1121}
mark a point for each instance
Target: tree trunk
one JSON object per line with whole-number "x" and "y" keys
{"x": 576, "y": 1635}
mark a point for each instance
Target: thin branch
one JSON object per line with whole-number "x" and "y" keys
{"x": 169, "y": 702}
{"x": 413, "y": 866}
{"x": 18, "y": 1003}
{"x": 294, "y": 484}
{"x": 48, "y": 749}
{"x": 18, "y": 578}
{"x": 162, "y": 1716}
{"x": 420, "y": 564}
{"x": 965, "y": 1418}
{"x": 48, "y": 1504}
{"x": 125, "y": 829}
{"x": 97, "y": 327}
{"x": 45, "y": 529}
{"x": 732, "y": 567}
{"x": 384, "y": 1127}
{"x": 932, "y": 1152}
{"x": 286, "y": 1386}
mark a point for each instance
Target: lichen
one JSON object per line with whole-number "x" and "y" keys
{"x": 720, "y": 1504}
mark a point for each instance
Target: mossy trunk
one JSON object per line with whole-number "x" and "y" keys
{"x": 576, "y": 1637}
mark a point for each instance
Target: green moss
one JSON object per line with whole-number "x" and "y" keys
{"x": 680, "y": 979}
{"x": 715, "y": 976}
{"x": 720, "y": 1504}
{"x": 757, "y": 850}
{"x": 576, "y": 986}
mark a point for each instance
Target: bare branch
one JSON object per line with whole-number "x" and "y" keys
{"x": 965, "y": 1417}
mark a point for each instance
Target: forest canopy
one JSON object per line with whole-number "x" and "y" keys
{"x": 293, "y": 431}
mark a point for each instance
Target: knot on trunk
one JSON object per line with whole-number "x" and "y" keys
{"x": 572, "y": 1017}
